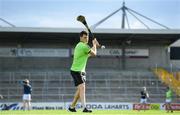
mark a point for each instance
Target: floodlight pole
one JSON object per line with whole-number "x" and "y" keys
{"x": 123, "y": 16}
{"x": 123, "y": 59}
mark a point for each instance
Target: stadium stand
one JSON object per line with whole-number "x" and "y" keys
{"x": 102, "y": 86}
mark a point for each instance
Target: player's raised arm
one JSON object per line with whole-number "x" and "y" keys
{"x": 93, "y": 51}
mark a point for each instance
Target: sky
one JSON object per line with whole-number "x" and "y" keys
{"x": 63, "y": 13}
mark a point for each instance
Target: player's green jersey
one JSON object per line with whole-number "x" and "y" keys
{"x": 169, "y": 94}
{"x": 81, "y": 54}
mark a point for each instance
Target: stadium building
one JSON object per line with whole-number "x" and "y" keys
{"x": 45, "y": 54}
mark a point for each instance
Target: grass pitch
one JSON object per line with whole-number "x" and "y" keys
{"x": 95, "y": 112}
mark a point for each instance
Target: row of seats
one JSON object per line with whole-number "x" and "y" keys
{"x": 102, "y": 86}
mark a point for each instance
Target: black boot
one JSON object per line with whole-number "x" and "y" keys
{"x": 72, "y": 109}
{"x": 86, "y": 110}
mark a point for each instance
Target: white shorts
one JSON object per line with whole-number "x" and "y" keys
{"x": 143, "y": 100}
{"x": 168, "y": 100}
{"x": 27, "y": 97}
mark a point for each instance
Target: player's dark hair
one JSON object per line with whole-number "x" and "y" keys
{"x": 83, "y": 33}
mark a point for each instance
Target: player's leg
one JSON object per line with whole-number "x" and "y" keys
{"x": 145, "y": 103}
{"x": 170, "y": 108}
{"x": 76, "y": 98}
{"x": 168, "y": 105}
{"x": 28, "y": 105}
{"x": 24, "y": 105}
{"x": 144, "y": 106}
{"x": 81, "y": 88}
{"x": 164, "y": 106}
{"x": 82, "y": 92}
{"x": 141, "y": 104}
{"x": 24, "y": 102}
{"x": 29, "y": 101}
{"x": 77, "y": 80}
